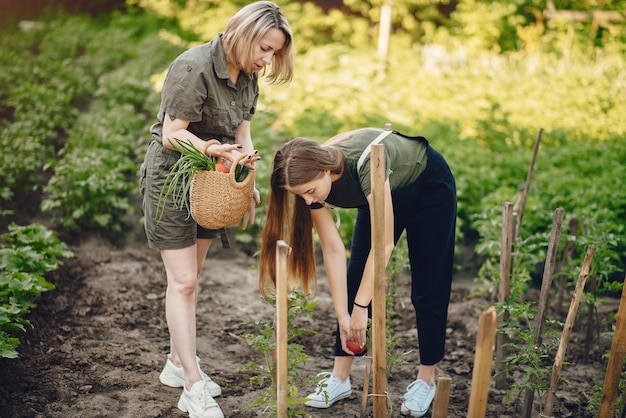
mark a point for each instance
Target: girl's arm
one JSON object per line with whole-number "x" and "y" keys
{"x": 358, "y": 326}
{"x": 334, "y": 253}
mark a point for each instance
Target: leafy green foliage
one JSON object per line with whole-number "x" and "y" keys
{"x": 264, "y": 342}
{"x": 26, "y": 255}
{"x": 87, "y": 190}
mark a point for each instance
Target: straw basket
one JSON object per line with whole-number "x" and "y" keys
{"x": 217, "y": 199}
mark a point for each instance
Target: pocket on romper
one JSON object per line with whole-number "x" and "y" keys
{"x": 142, "y": 178}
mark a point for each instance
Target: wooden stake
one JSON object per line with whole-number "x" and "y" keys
{"x": 567, "y": 254}
{"x": 379, "y": 339}
{"x": 567, "y": 330}
{"x": 548, "y": 271}
{"x": 616, "y": 362}
{"x": 442, "y": 398}
{"x": 282, "y": 300}
{"x": 591, "y": 310}
{"x": 504, "y": 287}
{"x": 521, "y": 203}
{"x": 366, "y": 387}
{"x": 482, "y": 364}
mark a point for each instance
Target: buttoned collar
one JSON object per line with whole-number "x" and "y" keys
{"x": 219, "y": 60}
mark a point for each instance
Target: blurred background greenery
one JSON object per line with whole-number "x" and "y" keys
{"x": 480, "y": 79}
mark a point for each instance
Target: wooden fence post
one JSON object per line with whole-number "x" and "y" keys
{"x": 567, "y": 330}
{"x": 616, "y": 362}
{"x": 282, "y": 300}
{"x": 567, "y": 254}
{"x": 442, "y": 398}
{"x": 379, "y": 339}
{"x": 548, "y": 271}
{"x": 521, "y": 202}
{"x": 483, "y": 359}
{"x": 504, "y": 287}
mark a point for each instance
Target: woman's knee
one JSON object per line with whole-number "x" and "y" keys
{"x": 184, "y": 283}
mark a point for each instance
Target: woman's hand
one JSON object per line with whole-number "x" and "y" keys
{"x": 230, "y": 152}
{"x": 213, "y": 148}
{"x": 249, "y": 216}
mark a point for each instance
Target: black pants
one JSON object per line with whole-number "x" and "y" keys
{"x": 426, "y": 209}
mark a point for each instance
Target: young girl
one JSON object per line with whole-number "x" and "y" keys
{"x": 210, "y": 92}
{"x": 419, "y": 198}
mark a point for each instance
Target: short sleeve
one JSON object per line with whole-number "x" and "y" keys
{"x": 184, "y": 92}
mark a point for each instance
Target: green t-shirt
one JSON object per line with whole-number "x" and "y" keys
{"x": 405, "y": 160}
{"x": 197, "y": 88}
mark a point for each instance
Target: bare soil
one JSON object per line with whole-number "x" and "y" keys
{"x": 100, "y": 340}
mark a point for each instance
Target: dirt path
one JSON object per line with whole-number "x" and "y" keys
{"x": 100, "y": 341}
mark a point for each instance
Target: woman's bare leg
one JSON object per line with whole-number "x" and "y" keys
{"x": 183, "y": 268}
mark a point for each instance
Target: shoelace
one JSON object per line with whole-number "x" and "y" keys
{"x": 419, "y": 391}
{"x": 205, "y": 397}
{"x": 204, "y": 376}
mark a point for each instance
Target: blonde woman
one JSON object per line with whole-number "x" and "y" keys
{"x": 210, "y": 92}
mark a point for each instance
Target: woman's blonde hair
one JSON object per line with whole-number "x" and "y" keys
{"x": 244, "y": 31}
{"x": 297, "y": 162}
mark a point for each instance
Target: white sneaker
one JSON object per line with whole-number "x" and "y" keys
{"x": 417, "y": 399}
{"x": 329, "y": 390}
{"x": 198, "y": 402}
{"x": 175, "y": 377}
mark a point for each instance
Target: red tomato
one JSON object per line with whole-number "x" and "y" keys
{"x": 355, "y": 348}
{"x": 221, "y": 167}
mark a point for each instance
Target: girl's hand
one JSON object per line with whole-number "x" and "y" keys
{"x": 358, "y": 325}
{"x": 344, "y": 333}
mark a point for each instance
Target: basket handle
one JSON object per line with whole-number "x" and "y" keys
{"x": 209, "y": 143}
{"x": 231, "y": 176}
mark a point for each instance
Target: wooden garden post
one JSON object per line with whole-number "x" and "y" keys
{"x": 379, "y": 339}
{"x": 567, "y": 254}
{"x": 548, "y": 271}
{"x": 616, "y": 362}
{"x": 591, "y": 310}
{"x": 366, "y": 387}
{"x": 483, "y": 359}
{"x": 282, "y": 300}
{"x": 567, "y": 331}
{"x": 442, "y": 398}
{"x": 504, "y": 288}
{"x": 521, "y": 202}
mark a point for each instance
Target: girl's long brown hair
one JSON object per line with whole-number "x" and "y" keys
{"x": 297, "y": 162}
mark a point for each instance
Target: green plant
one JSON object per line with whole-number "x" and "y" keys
{"x": 264, "y": 342}
{"x": 529, "y": 359}
{"x": 27, "y": 254}
{"x": 89, "y": 190}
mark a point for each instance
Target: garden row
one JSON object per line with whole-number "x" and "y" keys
{"x": 74, "y": 117}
